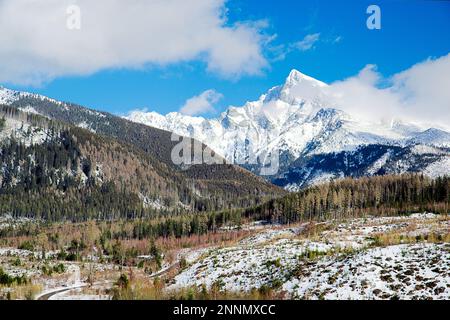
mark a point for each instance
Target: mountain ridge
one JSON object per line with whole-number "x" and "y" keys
{"x": 241, "y": 189}
{"x": 287, "y": 125}
{"x": 297, "y": 119}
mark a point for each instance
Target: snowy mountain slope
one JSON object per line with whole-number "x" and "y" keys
{"x": 433, "y": 137}
{"x": 8, "y": 96}
{"x": 286, "y": 126}
{"x": 295, "y": 120}
{"x": 364, "y": 271}
{"x": 22, "y": 132}
{"x": 366, "y": 160}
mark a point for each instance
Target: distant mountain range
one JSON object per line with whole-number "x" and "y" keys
{"x": 297, "y": 123}
{"x": 315, "y": 140}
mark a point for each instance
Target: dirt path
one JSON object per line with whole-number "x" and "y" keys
{"x": 48, "y": 295}
{"x": 75, "y": 279}
{"x": 164, "y": 270}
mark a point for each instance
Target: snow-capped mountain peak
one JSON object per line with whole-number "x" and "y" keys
{"x": 297, "y": 122}
{"x": 295, "y": 119}
{"x": 297, "y": 89}
{"x": 8, "y": 96}
{"x": 295, "y": 77}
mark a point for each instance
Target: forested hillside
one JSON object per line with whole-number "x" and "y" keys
{"x": 377, "y": 195}
{"x": 158, "y": 145}
{"x": 112, "y": 168}
{"x": 53, "y": 170}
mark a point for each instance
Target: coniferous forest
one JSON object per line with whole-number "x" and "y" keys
{"x": 350, "y": 198}
{"x": 76, "y": 175}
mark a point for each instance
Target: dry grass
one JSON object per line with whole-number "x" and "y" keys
{"x": 433, "y": 231}
{"x": 21, "y": 292}
{"x": 145, "y": 289}
{"x": 395, "y": 238}
{"x": 313, "y": 230}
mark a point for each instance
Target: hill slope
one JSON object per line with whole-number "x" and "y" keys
{"x": 54, "y": 170}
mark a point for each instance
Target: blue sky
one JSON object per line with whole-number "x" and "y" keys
{"x": 411, "y": 32}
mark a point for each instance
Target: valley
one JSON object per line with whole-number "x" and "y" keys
{"x": 94, "y": 207}
{"x": 221, "y": 159}
{"x": 402, "y": 257}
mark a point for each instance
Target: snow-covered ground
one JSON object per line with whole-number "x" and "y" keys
{"x": 404, "y": 257}
{"x": 68, "y": 282}
{"x": 406, "y": 271}
{"x": 23, "y": 132}
{"x": 339, "y": 260}
{"x": 8, "y": 221}
{"x": 438, "y": 169}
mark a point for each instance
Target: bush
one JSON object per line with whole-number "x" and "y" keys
{"x": 62, "y": 255}
{"x": 59, "y": 268}
{"x": 276, "y": 263}
{"x": 17, "y": 262}
{"x": 8, "y": 280}
{"x": 312, "y": 254}
{"x": 72, "y": 257}
{"x": 123, "y": 281}
{"x": 276, "y": 284}
{"x": 183, "y": 263}
{"x": 265, "y": 290}
{"x": 46, "y": 270}
{"x": 26, "y": 245}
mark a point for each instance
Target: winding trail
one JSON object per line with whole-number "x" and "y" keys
{"x": 48, "y": 295}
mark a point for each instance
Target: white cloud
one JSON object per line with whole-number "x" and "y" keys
{"x": 420, "y": 93}
{"x": 307, "y": 43}
{"x": 36, "y": 46}
{"x": 279, "y": 52}
{"x": 337, "y": 39}
{"x": 425, "y": 89}
{"x": 203, "y": 103}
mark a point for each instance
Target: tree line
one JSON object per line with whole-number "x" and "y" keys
{"x": 347, "y": 198}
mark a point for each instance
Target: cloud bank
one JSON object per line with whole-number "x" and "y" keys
{"x": 203, "y": 103}
{"x": 420, "y": 93}
{"x": 36, "y": 45}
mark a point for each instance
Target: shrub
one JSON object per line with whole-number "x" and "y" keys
{"x": 62, "y": 255}
{"x": 17, "y": 262}
{"x": 8, "y": 280}
{"x": 59, "y": 268}
{"x": 265, "y": 290}
{"x": 276, "y": 263}
{"x": 26, "y": 245}
{"x": 123, "y": 281}
{"x": 183, "y": 263}
{"x": 312, "y": 254}
{"x": 276, "y": 284}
